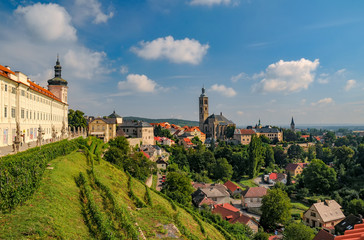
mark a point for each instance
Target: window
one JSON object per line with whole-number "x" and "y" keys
{"x": 27, "y": 114}
{"x": 6, "y": 111}
{"x": 6, "y": 88}
{"x": 13, "y": 90}
{"x": 22, "y": 113}
{"x": 23, "y": 93}
{"x": 313, "y": 214}
{"x": 13, "y": 112}
{"x": 307, "y": 220}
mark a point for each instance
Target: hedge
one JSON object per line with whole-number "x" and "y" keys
{"x": 20, "y": 174}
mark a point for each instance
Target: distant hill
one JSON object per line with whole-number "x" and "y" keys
{"x": 179, "y": 122}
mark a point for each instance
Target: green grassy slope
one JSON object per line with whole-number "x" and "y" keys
{"x": 55, "y": 211}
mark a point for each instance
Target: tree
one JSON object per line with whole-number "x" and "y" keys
{"x": 319, "y": 151}
{"x": 261, "y": 235}
{"x": 120, "y": 143}
{"x": 222, "y": 170}
{"x": 161, "y": 132}
{"x": 275, "y": 208}
{"x": 289, "y": 135}
{"x": 344, "y": 155}
{"x": 329, "y": 137}
{"x": 295, "y": 152}
{"x": 360, "y": 154}
{"x": 255, "y": 156}
{"x": 230, "y": 131}
{"x": 298, "y": 231}
{"x": 289, "y": 179}
{"x": 265, "y": 139}
{"x": 319, "y": 178}
{"x": 76, "y": 119}
{"x": 356, "y": 206}
{"x": 268, "y": 156}
{"x": 280, "y": 156}
{"x": 178, "y": 187}
{"x": 311, "y": 153}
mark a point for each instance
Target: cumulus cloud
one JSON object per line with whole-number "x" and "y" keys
{"x": 238, "y": 77}
{"x": 124, "y": 69}
{"x": 213, "y": 2}
{"x": 138, "y": 83}
{"x": 86, "y": 9}
{"x": 323, "y": 102}
{"x": 178, "y": 51}
{"x": 84, "y": 63}
{"x": 350, "y": 84}
{"x": 323, "y": 78}
{"x": 288, "y": 76}
{"x": 47, "y": 22}
{"x": 223, "y": 90}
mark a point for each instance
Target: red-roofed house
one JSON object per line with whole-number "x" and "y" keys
{"x": 324, "y": 235}
{"x": 294, "y": 169}
{"x": 233, "y": 188}
{"x": 355, "y": 234}
{"x": 186, "y": 142}
{"x": 243, "y": 136}
{"x": 233, "y": 215}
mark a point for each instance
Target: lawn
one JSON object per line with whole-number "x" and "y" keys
{"x": 298, "y": 207}
{"x": 155, "y": 181}
{"x": 248, "y": 182}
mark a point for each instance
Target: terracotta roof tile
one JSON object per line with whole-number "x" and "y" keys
{"x": 231, "y": 186}
{"x": 255, "y": 192}
{"x": 324, "y": 235}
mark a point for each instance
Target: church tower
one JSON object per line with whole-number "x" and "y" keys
{"x": 203, "y": 108}
{"x": 57, "y": 85}
{"x": 293, "y": 128}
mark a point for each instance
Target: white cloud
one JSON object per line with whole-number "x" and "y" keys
{"x": 213, "y": 2}
{"x": 240, "y": 113}
{"x": 238, "y": 77}
{"x": 323, "y": 102}
{"x": 341, "y": 71}
{"x": 84, "y": 63}
{"x": 350, "y": 84}
{"x": 124, "y": 69}
{"x": 225, "y": 91}
{"x": 290, "y": 76}
{"x": 138, "y": 83}
{"x": 47, "y": 22}
{"x": 177, "y": 51}
{"x": 85, "y": 9}
{"x": 323, "y": 78}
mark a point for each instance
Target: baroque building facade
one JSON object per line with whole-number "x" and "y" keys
{"x": 214, "y": 126}
{"x": 29, "y": 112}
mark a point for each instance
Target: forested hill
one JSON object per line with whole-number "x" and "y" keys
{"x": 179, "y": 122}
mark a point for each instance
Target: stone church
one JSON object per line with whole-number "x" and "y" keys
{"x": 214, "y": 126}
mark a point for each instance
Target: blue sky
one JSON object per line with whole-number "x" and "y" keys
{"x": 258, "y": 59}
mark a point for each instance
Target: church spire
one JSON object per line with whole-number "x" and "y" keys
{"x": 293, "y": 128}
{"x": 57, "y": 80}
{"x": 57, "y": 68}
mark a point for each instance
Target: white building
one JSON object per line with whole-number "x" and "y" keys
{"x": 31, "y": 106}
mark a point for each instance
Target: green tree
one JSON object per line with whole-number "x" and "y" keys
{"x": 289, "y": 135}
{"x": 295, "y": 152}
{"x": 161, "y": 132}
{"x": 280, "y": 156}
{"x": 356, "y": 206}
{"x": 222, "y": 170}
{"x": 275, "y": 208}
{"x": 120, "y": 143}
{"x": 230, "y": 131}
{"x": 265, "y": 139}
{"x": 256, "y": 158}
{"x": 319, "y": 178}
{"x": 319, "y": 151}
{"x": 268, "y": 156}
{"x": 329, "y": 137}
{"x": 261, "y": 235}
{"x": 360, "y": 155}
{"x": 76, "y": 119}
{"x": 298, "y": 231}
{"x": 311, "y": 153}
{"x": 344, "y": 155}
{"x": 178, "y": 187}
{"x": 289, "y": 179}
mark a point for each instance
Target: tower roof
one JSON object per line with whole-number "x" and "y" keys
{"x": 57, "y": 80}
{"x": 292, "y": 122}
{"x": 203, "y": 92}
{"x": 114, "y": 115}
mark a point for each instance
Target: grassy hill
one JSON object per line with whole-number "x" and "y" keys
{"x": 98, "y": 207}
{"x": 179, "y": 122}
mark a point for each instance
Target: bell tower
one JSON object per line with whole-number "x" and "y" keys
{"x": 203, "y": 108}
{"x": 57, "y": 85}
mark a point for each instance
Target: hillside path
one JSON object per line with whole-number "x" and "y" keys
{"x": 149, "y": 181}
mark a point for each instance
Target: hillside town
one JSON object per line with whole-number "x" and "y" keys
{"x": 275, "y": 182}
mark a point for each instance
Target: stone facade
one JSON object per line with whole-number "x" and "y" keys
{"x": 140, "y": 130}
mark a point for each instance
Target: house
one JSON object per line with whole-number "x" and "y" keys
{"x": 216, "y": 192}
{"x": 138, "y": 131}
{"x": 294, "y": 169}
{"x": 243, "y": 136}
{"x": 161, "y": 164}
{"x": 232, "y": 188}
{"x": 252, "y": 198}
{"x": 324, "y": 235}
{"x": 325, "y": 215}
{"x": 199, "y": 198}
{"x": 348, "y": 223}
{"x": 186, "y": 142}
{"x": 270, "y": 132}
{"x": 104, "y": 128}
{"x": 273, "y": 178}
{"x": 233, "y": 215}
{"x": 355, "y": 234}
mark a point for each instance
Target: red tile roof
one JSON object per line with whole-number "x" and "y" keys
{"x": 305, "y": 136}
{"x": 324, "y": 235}
{"x": 146, "y": 154}
{"x": 207, "y": 201}
{"x": 231, "y": 186}
{"x": 355, "y": 234}
{"x": 273, "y": 176}
{"x": 246, "y": 131}
{"x": 255, "y": 192}
{"x": 231, "y": 213}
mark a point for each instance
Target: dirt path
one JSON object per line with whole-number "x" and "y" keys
{"x": 149, "y": 181}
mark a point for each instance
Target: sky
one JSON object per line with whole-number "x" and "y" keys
{"x": 257, "y": 59}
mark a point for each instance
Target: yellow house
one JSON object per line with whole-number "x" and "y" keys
{"x": 102, "y": 128}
